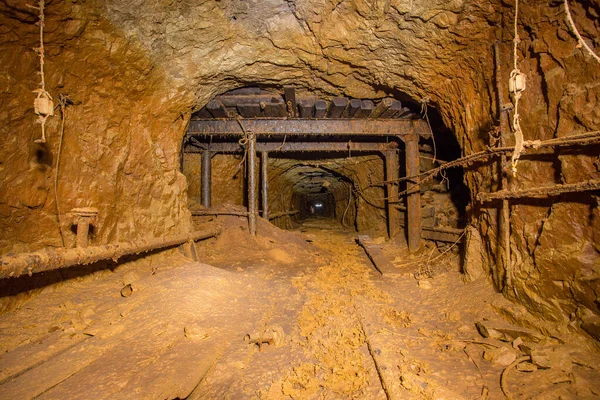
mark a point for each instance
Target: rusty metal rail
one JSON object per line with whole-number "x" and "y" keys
{"x": 15, "y": 265}
{"x": 277, "y": 147}
{"x": 317, "y": 127}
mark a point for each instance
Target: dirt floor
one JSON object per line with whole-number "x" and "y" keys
{"x": 300, "y": 314}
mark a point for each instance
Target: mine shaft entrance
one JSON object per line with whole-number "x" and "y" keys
{"x": 290, "y": 157}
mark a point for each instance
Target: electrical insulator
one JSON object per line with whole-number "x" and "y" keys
{"x": 43, "y": 106}
{"x": 516, "y": 83}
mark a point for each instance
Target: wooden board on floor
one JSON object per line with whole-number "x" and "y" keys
{"x": 381, "y": 262}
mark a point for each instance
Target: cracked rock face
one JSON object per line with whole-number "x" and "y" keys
{"x": 135, "y": 70}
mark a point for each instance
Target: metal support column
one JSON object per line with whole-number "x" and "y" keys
{"x": 391, "y": 176}
{"x": 206, "y": 178}
{"x": 413, "y": 199}
{"x": 264, "y": 181}
{"x": 252, "y": 184}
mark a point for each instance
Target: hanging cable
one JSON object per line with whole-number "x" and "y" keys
{"x": 43, "y": 104}
{"x": 516, "y": 86}
{"x": 581, "y": 43}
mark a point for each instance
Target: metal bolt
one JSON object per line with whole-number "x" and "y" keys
{"x": 84, "y": 217}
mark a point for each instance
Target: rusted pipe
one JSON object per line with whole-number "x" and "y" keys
{"x": 264, "y": 183}
{"x": 252, "y": 184}
{"x": 391, "y": 176}
{"x": 504, "y": 217}
{"x": 413, "y": 200}
{"x": 14, "y": 265}
{"x": 206, "y": 178}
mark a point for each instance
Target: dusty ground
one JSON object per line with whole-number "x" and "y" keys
{"x": 179, "y": 329}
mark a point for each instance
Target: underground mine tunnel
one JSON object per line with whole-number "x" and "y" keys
{"x": 299, "y": 199}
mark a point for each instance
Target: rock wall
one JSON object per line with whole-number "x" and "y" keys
{"x": 136, "y": 69}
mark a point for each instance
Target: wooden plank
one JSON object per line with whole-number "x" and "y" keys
{"x": 217, "y": 109}
{"x": 176, "y": 373}
{"x": 381, "y": 262}
{"x": 306, "y": 108}
{"x": 353, "y": 107}
{"x": 275, "y": 109}
{"x": 202, "y": 114}
{"x": 233, "y": 101}
{"x": 382, "y": 106}
{"x": 392, "y": 110}
{"x": 249, "y": 110}
{"x": 30, "y": 355}
{"x": 337, "y": 107}
{"x": 290, "y": 100}
{"x": 392, "y": 169}
{"x": 366, "y": 108}
{"x": 320, "y": 108}
{"x": 403, "y": 113}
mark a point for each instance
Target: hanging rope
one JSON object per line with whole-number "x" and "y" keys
{"x": 581, "y": 43}
{"x": 516, "y": 86}
{"x": 43, "y": 104}
{"x": 63, "y": 100}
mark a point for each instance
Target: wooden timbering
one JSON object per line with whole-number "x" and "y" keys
{"x": 337, "y": 107}
{"x": 290, "y": 100}
{"x": 252, "y": 193}
{"x": 392, "y": 110}
{"x": 276, "y": 108}
{"x": 250, "y": 110}
{"x": 217, "y": 109}
{"x": 353, "y": 107}
{"x": 306, "y": 108}
{"x": 366, "y": 108}
{"x": 383, "y": 105}
{"x": 320, "y": 108}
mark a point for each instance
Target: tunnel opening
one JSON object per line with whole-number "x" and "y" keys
{"x": 350, "y": 156}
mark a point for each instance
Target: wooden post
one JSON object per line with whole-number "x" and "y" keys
{"x": 264, "y": 158}
{"x": 391, "y": 175}
{"x": 413, "y": 199}
{"x": 206, "y": 178}
{"x": 252, "y": 184}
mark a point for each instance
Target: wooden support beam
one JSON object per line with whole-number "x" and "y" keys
{"x": 320, "y": 108}
{"x": 217, "y": 109}
{"x": 275, "y": 109}
{"x": 391, "y": 176}
{"x": 235, "y": 100}
{"x": 413, "y": 200}
{"x": 206, "y": 178}
{"x": 249, "y": 110}
{"x": 381, "y": 107}
{"x": 366, "y": 108}
{"x": 394, "y": 108}
{"x": 306, "y": 108}
{"x": 403, "y": 113}
{"x": 290, "y": 100}
{"x": 353, "y": 107}
{"x": 337, "y": 107}
{"x": 342, "y": 127}
{"x": 264, "y": 183}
